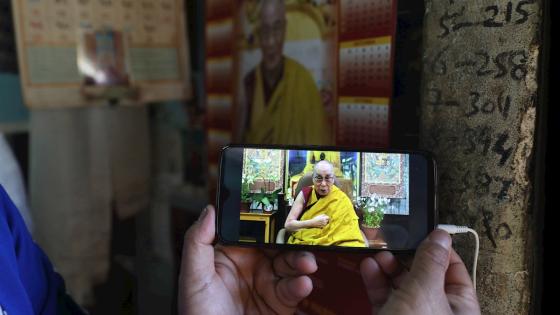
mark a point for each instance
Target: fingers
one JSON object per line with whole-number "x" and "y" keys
{"x": 380, "y": 275}
{"x": 287, "y": 284}
{"x": 290, "y": 264}
{"x": 281, "y": 296}
{"x": 291, "y": 291}
{"x": 270, "y": 253}
{"x": 457, "y": 273}
{"x": 457, "y": 278}
{"x": 432, "y": 259}
{"x": 378, "y": 286}
{"x": 459, "y": 287}
{"x": 389, "y": 264}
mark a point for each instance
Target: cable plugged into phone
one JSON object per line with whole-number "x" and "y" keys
{"x": 455, "y": 229}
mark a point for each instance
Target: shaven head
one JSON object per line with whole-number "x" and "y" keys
{"x": 271, "y": 8}
{"x": 323, "y": 165}
{"x": 323, "y": 177}
{"x": 272, "y": 29}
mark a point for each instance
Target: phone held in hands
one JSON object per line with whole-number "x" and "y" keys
{"x": 310, "y": 197}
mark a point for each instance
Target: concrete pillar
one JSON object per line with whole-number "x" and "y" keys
{"x": 479, "y": 109}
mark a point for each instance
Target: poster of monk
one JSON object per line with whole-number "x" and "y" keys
{"x": 285, "y": 70}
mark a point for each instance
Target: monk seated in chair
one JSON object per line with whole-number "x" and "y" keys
{"x": 322, "y": 214}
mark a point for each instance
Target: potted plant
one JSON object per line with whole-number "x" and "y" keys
{"x": 247, "y": 181}
{"x": 266, "y": 200}
{"x": 373, "y": 211}
{"x": 246, "y": 199}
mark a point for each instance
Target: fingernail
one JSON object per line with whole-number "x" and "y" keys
{"x": 203, "y": 214}
{"x": 304, "y": 253}
{"x": 441, "y": 238}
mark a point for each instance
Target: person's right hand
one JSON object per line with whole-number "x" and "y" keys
{"x": 321, "y": 221}
{"x": 235, "y": 280}
{"x": 437, "y": 283}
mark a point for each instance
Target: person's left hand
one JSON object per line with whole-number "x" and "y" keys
{"x": 232, "y": 280}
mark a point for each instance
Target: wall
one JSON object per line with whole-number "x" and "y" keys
{"x": 13, "y": 113}
{"x": 479, "y": 110}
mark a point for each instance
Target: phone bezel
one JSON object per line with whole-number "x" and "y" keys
{"x": 432, "y": 211}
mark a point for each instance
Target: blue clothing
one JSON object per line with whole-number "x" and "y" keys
{"x": 28, "y": 283}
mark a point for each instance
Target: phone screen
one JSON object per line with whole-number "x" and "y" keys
{"x": 327, "y": 197}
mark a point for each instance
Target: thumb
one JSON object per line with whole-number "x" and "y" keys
{"x": 202, "y": 231}
{"x": 432, "y": 260}
{"x": 197, "y": 261}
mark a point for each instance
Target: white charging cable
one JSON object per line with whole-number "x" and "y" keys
{"x": 454, "y": 229}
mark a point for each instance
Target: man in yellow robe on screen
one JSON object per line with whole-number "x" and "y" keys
{"x": 283, "y": 104}
{"x": 322, "y": 214}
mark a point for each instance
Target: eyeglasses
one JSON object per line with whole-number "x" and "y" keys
{"x": 320, "y": 179}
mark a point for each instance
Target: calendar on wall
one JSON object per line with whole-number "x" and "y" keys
{"x": 362, "y": 116}
{"x": 365, "y": 71}
{"x": 78, "y": 53}
{"x": 366, "y": 18}
{"x": 364, "y": 67}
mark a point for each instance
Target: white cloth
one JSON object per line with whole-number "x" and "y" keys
{"x": 84, "y": 161}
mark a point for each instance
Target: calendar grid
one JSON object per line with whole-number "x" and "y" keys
{"x": 363, "y": 121}
{"x": 365, "y": 53}
{"x": 365, "y": 18}
{"x": 364, "y": 68}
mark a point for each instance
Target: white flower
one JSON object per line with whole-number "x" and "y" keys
{"x": 377, "y": 202}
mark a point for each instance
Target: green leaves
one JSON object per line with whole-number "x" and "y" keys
{"x": 373, "y": 210}
{"x": 373, "y": 216}
{"x": 266, "y": 199}
{"x": 246, "y": 191}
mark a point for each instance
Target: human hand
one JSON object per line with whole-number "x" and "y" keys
{"x": 437, "y": 283}
{"x": 233, "y": 280}
{"x": 321, "y": 220}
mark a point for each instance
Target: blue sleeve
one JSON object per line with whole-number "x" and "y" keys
{"x": 28, "y": 283}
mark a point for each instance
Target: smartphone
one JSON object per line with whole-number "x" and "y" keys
{"x": 310, "y": 197}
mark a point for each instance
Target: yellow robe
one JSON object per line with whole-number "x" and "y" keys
{"x": 342, "y": 229}
{"x": 294, "y": 114}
